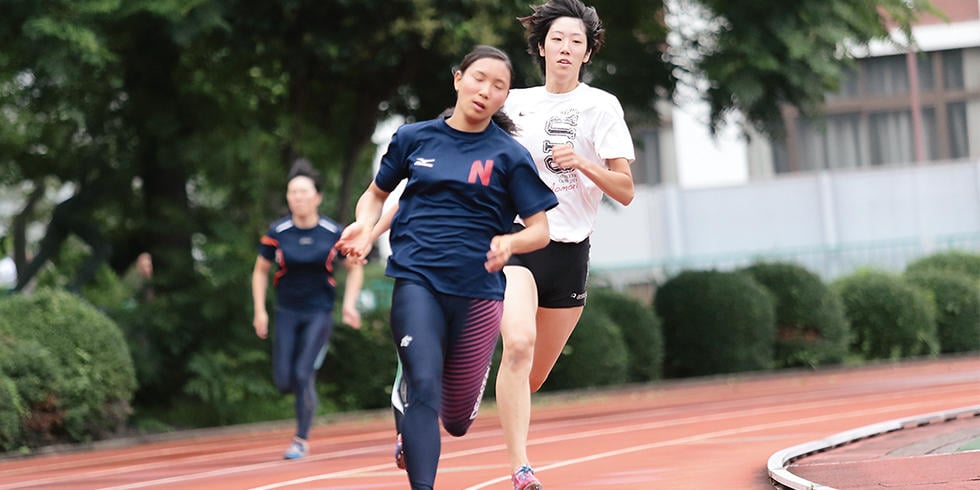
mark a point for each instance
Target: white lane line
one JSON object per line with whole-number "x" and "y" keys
{"x": 234, "y": 455}
{"x": 485, "y": 449}
{"x": 708, "y": 435}
{"x": 610, "y": 431}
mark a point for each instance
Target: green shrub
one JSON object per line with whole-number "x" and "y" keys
{"x": 950, "y": 260}
{"x": 228, "y": 384}
{"x": 33, "y": 369}
{"x": 37, "y": 380}
{"x": 641, "y": 332}
{"x": 97, "y": 379}
{"x": 360, "y": 364}
{"x": 890, "y": 318}
{"x": 715, "y": 322}
{"x": 811, "y": 328}
{"x": 956, "y": 300}
{"x": 595, "y": 355}
{"x": 12, "y": 414}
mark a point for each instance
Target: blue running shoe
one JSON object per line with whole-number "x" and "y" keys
{"x": 297, "y": 449}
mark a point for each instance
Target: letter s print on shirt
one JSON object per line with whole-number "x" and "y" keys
{"x": 561, "y": 130}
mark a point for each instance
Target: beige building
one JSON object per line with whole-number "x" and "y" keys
{"x": 893, "y": 108}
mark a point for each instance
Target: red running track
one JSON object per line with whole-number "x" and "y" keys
{"x": 694, "y": 434}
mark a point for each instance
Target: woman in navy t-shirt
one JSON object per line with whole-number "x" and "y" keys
{"x": 467, "y": 179}
{"x": 302, "y": 247}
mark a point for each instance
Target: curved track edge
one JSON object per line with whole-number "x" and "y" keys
{"x": 780, "y": 460}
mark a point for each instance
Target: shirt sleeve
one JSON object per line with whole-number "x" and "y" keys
{"x": 530, "y": 194}
{"x": 268, "y": 245}
{"x": 394, "y": 163}
{"x": 612, "y": 135}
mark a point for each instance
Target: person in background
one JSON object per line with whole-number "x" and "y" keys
{"x": 301, "y": 245}
{"x": 583, "y": 149}
{"x": 467, "y": 180}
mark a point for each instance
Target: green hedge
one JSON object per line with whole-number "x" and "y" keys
{"x": 950, "y": 260}
{"x": 890, "y": 318}
{"x": 89, "y": 397}
{"x": 595, "y": 355}
{"x": 33, "y": 369}
{"x": 360, "y": 364}
{"x": 641, "y": 331}
{"x": 12, "y": 414}
{"x": 715, "y": 322}
{"x": 811, "y": 328}
{"x": 956, "y": 298}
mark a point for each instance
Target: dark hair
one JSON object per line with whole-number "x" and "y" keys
{"x": 478, "y": 53}
{"x": 537, "y": 24}
{"x": 484, "y": 51}
{"x": 303, "y": 168}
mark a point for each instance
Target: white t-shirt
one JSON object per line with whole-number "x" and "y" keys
{"x": 588, "y": 118}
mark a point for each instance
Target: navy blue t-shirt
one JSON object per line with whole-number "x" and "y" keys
{"x": 305, "y": 258}
{"x": 463, "y": 189}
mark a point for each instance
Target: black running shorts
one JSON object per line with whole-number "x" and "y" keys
{"x": 560, "y": 270}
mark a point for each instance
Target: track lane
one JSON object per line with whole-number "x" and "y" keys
{"x": 676, "y": 435}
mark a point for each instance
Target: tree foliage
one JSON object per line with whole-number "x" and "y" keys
{"x": 167, "y": 126}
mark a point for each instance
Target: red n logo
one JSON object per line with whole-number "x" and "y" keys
{"x": 482, "y": 171}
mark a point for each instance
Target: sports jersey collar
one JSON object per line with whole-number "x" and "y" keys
{"x": 465, "y": 134}
{"x": 565, "y": 95}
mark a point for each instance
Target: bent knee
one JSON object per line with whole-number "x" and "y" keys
{"x": 457, "y": 428}
{"x": 283, "y": 384}
{"x": 536, "y": 382}
{"x": 518, "y": 351}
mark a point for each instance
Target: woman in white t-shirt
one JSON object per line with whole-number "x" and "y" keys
{"x": 583, "y": 149}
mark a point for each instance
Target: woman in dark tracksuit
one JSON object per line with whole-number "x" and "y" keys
{"x": 302, "y": 247}
{"x": 467, "y": 179}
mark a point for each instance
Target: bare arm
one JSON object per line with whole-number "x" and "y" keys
{"x": 616, "y": 181}
{"x": 352, "y": 288}
{"x": 357, "y": 237}
{"x": 384, "y": 224}
{"x": 260, "y": 283}
{"x": 533, "y": 237}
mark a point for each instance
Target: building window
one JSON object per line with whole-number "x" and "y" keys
{"x": 831, "y": 142}
{"x": 869, "y": 119}
{"x": 952, "y": 62}
{"x": 647, "y": 167}
{"x": 959, "y": 142}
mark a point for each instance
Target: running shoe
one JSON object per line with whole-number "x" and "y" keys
{"x": 399, "y": 453}
{"x": 524, "y": 479}
{"x": 297, "y": 449}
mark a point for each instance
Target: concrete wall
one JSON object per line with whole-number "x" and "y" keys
{"x": 831, "y": 222}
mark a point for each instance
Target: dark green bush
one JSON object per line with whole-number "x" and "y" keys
{"x": 97, "y": 380}
{"x": 37, "y": 380}
{"x": 951, "y": 260}
{"x": 12, "y": 414}
{"x": 641, "y": 332}
{"x": 33, "y": 369}
{"x": 715, "y": 322}
{"x": 956, "y": 298}
{"x": 228, "y": 385}
{"x": 360, "y": 364}
{"x": 595, "y": 355}
{"x": 890, "y": 318}
{"x": 811, "y": 328}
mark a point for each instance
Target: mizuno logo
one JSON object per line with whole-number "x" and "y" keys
{"x": 425, "y": 162}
